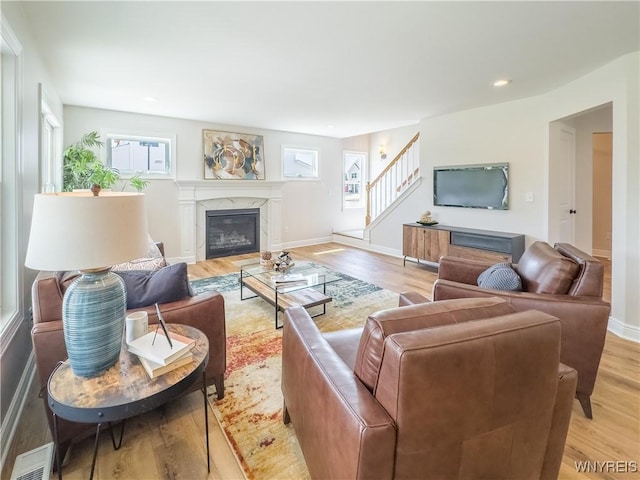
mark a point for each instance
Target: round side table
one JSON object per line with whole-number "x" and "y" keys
{"x": 124, "y": 390}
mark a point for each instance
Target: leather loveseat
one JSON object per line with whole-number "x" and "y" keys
{"x": 562, "y": 281}
{"x": 454, "y": 389}
{"x": 204, "y": 311}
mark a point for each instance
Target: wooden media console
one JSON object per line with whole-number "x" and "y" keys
{"x": 429, "y": 243}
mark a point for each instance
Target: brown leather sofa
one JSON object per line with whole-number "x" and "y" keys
{"x": 204, "y": 312}
{"x": 562, "y": 281}
{"x": 454, "y": 389}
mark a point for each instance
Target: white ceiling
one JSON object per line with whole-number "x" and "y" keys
{"x": 358, "y": 66}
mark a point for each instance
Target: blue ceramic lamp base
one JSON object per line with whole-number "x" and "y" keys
{"x": 93, "y": 313}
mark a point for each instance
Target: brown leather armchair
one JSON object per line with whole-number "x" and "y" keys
{"x": 562, "y": 281}
{"x": 455, "y": 389}
{"x": 204, "y": 312}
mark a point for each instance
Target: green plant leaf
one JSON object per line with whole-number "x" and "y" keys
{"x": 138, "y": 183}
{"x": 82, "y": 168}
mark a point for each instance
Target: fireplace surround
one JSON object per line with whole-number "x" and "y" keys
{"x": 197, "y": 196}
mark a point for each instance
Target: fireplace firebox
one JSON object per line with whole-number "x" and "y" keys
{"x": 232, "y": 232}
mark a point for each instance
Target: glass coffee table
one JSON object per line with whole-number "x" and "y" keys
{"x": 305, "y": 284}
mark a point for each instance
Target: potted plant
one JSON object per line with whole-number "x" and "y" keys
{"x": 83, "y": 169}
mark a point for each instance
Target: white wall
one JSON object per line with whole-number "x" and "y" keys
{"x": 310, "y": 208}
{"x": 518, "y": 132}
{"x": 617, "y": 82}
{"x": 393, "y": 140}
{"x": 16, "y": 357}
{"x": 482, "y": 135}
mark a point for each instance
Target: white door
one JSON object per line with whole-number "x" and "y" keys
{"x": 562, "y": 183}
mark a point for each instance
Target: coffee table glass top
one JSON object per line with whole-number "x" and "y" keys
{"x": 300, "y": 275}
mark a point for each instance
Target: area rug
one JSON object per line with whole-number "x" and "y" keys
{"x": 251, "y": 411}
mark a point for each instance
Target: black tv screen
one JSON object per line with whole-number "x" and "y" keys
{"x": 472, "y": 186}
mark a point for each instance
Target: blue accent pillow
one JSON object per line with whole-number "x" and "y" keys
{"x": 500, "y": 276}
{"x": 146, "y": 287}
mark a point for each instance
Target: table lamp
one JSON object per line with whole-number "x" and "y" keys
{"x": 79, "y": 231}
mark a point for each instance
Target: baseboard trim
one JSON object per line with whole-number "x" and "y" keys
{"x": 14, "y": 412}
{"x": 305, "y": 243}
{"x": 621, "y": 329}
{"x": 350, "y": 241}
{"x": 365, "y": 245}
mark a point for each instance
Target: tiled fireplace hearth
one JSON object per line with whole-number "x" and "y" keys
{"x": 196, "y": 197}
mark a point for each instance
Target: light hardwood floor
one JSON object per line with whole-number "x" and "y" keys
{"x": 168, "y": 443}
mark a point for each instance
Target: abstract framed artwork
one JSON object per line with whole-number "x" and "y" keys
{"x": 232, "y": 156}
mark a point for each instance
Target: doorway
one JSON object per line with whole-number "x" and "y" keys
{"x": 585, "y": 124}
{"x": 591, "y": 175}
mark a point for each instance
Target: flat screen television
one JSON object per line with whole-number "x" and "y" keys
{"x": 472, "y": 186}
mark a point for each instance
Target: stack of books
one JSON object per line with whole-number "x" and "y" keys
{"x": 162, "y": 351}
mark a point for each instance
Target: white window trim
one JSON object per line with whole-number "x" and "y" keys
{"x": 10, "y": 321}
{"x": 315, "y": 178}
{"x": 50, "y": 158}
{"x": 363, "y": 182}
{"x": 105, "y": 133}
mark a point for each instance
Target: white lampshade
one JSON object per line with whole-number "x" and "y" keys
{"x": 79, "y": 231}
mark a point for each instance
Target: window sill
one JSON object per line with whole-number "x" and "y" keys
{"x": 10, "y": 324}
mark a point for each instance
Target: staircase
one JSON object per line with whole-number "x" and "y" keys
{"x": 397, "y": 178}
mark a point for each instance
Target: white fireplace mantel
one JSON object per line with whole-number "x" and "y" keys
{"x": 197, "y": 196}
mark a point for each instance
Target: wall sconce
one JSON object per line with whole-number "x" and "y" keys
{"x": 381, "y": 151}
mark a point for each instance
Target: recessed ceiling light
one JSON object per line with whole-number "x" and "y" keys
{"x": 501, "y": 83}
{"x": 149, "y": 99}
{"x": 329, "y": 126}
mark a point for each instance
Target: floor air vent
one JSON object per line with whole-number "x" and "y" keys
{"x": 34, "y": 464}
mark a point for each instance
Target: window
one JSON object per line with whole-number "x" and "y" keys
{"x": 300, "y": 163}
{"x": 51, "y": 146}
{"x": 147, "y": 156}
{"x": 353, "y": 188}
{"x": 10, "y": 204}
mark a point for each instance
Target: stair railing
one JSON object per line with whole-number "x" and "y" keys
{"x": 396, "y": 177}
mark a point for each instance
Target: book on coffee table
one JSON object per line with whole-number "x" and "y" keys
{"x": 155, "y": 369}
{"x": 288, "y": 278}
{"x": 155, "y": 347}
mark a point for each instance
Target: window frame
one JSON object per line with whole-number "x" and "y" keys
{"x": 50, "y": 146}
{"x": 363, "y": 185}
{"x": 10, "y": 226}
{"x": 106, "y": 135}
{"x": 315, "y": 177}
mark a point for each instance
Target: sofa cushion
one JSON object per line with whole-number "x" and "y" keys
{"x": 381, "y": 324}
{"x": 146, "y": 287}
{"x": 500, "y": 276}
{"x": 545, "y": 270}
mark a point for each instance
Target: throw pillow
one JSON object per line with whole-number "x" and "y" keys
{"x": 152, "y": 260}
{"x": 500, "y": 276}
{"x": 146, "y": 287}
{"x": 145, "y": 263}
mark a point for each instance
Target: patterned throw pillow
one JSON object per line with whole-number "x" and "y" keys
{"x": 151, "y": 263}
{"x": 152, "y": 260}
{"x": 500, "y": 276}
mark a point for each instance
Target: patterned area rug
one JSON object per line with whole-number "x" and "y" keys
{"x": 251, "y": 411}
